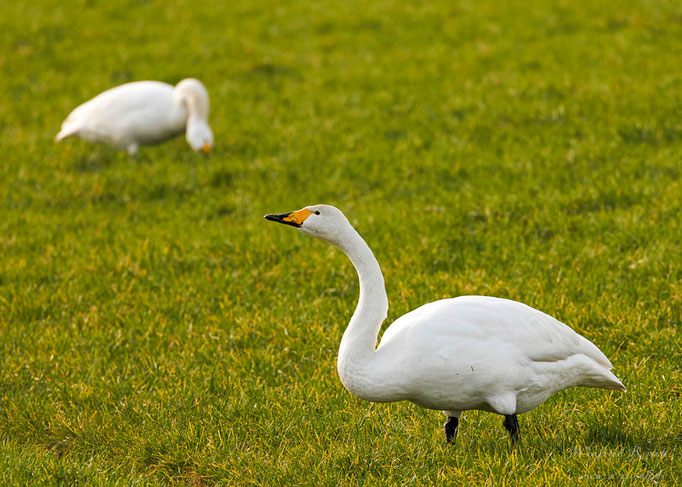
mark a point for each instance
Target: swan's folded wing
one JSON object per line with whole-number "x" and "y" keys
{"x": 538, "y": 336}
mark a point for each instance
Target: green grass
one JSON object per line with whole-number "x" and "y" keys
{"x": 155, "y": 329}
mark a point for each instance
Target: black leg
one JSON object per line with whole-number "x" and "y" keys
{"x": 451, "y": 429}
{"x": 512, "y": 425}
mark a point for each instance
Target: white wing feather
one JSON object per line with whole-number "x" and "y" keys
{"x": 541, "y": 337}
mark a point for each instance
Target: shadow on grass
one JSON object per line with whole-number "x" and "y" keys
{"x": 98, "y": 158}
{"x": 600, "y": 440}
{"x": 95, "y": 160}
{"x": 615, "y": 441}
{"x": 610, "y": 436}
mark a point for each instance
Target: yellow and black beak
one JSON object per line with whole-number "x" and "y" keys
{"x": 293, "y": 218}
{"x": 206, "y": 148}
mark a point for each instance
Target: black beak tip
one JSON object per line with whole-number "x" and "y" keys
{"x": 281, "y": 219}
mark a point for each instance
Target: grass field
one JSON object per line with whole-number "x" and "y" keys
{"x": 155, "y": 329}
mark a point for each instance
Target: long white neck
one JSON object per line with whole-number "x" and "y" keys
{"x": 193, "y": 96}
{"x": 360, "y": 338}
{"x": 197, "y": 107}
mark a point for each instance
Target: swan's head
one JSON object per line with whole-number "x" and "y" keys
{"x": 320, "y": 221}
{"x": 193, "y": 95}
{"x": 199, "y": 135}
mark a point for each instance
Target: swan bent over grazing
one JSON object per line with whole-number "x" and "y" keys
{"x": 469, "y": 352}
{"x": 143, "y": 113}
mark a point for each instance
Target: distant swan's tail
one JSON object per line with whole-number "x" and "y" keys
{"x": 67, "y": 131}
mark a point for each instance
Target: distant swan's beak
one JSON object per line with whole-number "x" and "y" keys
{"x": 293, "y": 218}
{"x": 206, "y": 148}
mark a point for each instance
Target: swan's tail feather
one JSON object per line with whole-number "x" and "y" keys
{"x": 67, "y": 130}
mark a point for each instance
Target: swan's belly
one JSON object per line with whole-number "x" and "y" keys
{"x": 157, "y": 136}
{"x": 452, "y": 404}
{"x": 138, "y": 131}
{"x": 475, "y": 381}
{"x": 524, "y": 401}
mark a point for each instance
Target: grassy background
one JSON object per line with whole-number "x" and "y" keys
{"x": 153, "y": 328}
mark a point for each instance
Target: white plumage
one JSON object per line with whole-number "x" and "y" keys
{"x": 469, "y": 352}
{"x": 143, "y": 113}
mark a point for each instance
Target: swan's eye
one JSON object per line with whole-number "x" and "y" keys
{"x": 317, "y": 212}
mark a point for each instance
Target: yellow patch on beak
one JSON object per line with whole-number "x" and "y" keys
{"x": 206, "y": 148}
{"x": 298, "y": 217}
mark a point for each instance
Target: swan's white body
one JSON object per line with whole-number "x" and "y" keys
{"x": 469, "y": 352}
{"x": 476, "y": 352}
{"x": 143, "y": 113}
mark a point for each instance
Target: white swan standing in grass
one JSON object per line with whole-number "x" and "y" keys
{"x": 143, "y": 113}
{"x": 469, "y": 352}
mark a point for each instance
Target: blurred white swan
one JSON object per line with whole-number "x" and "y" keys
{"x": 143, "y": 113}
{"x": 470, "y": 352}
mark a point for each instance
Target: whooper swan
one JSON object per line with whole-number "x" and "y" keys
{"x": 143, "y": 113}
{"x": 469, "y": 352}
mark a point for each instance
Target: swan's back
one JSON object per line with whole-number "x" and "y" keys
{"x": 143, "y": 111}
{"x": 540, "y": 337}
